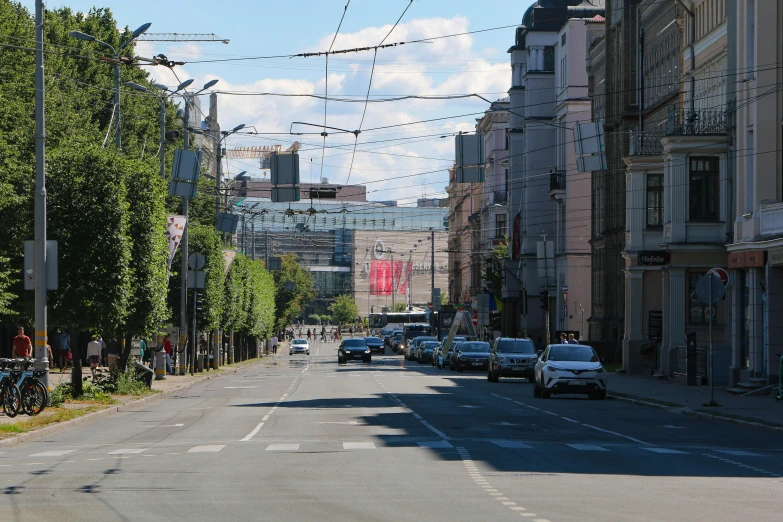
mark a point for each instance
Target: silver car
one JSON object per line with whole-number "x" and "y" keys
{"x": 570, "y": 368}
{"x": 299, "y": 346}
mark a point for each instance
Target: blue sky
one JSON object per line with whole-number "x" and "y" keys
{"x": 394, "y": 169}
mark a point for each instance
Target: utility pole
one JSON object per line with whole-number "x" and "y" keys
{"x": 39, "y": 270}
{"x": 183, "y": 295}
{"x": 432, "y": 261}
{"x": 392, "y": 277}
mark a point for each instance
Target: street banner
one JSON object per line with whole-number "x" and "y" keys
{"x": 228, "y": 258}
{"x": 175, "y": 227}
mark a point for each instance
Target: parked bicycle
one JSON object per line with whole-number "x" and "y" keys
{"x": 10, "y": 397}
{"x": 34, "y": 394}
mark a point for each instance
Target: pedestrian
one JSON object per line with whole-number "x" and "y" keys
{"x": 22, "y": 345}
{"x": 94, "y": 354}
{"x": 563, "y": 339}
{"x": 167, "y": 349}
{"x": 104, "y": 352}
{"x": 350, "y": 331}
{"x": 308, "y": 335}
{"x": 63, "y": 349}
{"x": 571, "y": 339}
{"x": 273, "y": 343}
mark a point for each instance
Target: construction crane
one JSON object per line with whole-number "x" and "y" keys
{"x": 181, "y": 37}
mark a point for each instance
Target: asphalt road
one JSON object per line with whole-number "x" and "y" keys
{"x": 303, "y": 439}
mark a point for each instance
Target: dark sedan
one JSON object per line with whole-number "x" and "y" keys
{"x": 453, "y": 351}
{"x": 353, "y": 349}
{"x": 426, "y": 351}
{"x": 375, "y": 344}
{"x": 472, "y": 355}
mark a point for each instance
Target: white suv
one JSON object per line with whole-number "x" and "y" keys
{"x": 570, "y": 368}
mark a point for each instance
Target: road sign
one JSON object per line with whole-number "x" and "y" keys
{"x": 196, "y": 261}
{"x": 196, "y": 279}
{"x": 710, "y": 289}
{"x": 724, "y": 276}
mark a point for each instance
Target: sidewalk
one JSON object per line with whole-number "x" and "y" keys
{"x": 761, "y": 409}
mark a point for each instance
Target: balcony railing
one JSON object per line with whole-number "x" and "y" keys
{"x": 771, "y": 221}
{"x": 499, "y": 196}
{"x": 681, "y": 122}
{"x": 557, "y": 180}
{"x": 646, "y": 143}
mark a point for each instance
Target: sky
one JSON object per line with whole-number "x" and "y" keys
{"x": 404, "y": 162}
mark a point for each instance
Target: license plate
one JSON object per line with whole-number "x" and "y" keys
{"x": 577, "y": 383}
{"x": 478, "y": 364}
{"x": 515, "y": 368}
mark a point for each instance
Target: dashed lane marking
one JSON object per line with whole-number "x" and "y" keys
{"x": 52, "y": 453}
{"x": 588, "y": 447}
{"x": 510, "y": 444}
{"x": 666, "y": 451}
{"x": 740, "y": 453}
{"x": 435, "y": 444}
{"x": 128, "y": 451}
{"x": 358, "y": 445}
{"x": 283, "y": 447}
{"x": 207, "y": 449}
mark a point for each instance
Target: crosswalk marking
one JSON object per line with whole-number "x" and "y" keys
{"x": 435, "y": 444}
{"x": 510, "y": 444}
{"x": 128, "y": 451}
{"x": 587, "y": 447}
{"x": 740, "y": 453}
{"x": 207, "y": 449}
{"x": 665, "y": 450}
{"x": 358, "y": 445}
{"x": 283, "y": 447}
{"x": 52, "y": 453}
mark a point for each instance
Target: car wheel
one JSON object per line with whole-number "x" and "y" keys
{"x": 308, "y": 353}
{"x": 489, "y": 376}
{"x": 459, "y": 368}
{"x": 340, "y": 361}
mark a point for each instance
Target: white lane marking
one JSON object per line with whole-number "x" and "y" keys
{"x": 52, "y": 453}
{"x": 501, "y": 397}
{"x": 207, "y": 449}
{"x": 417, "y": 415}
{"x": 518, "y": 508}
{"x": 467, "y": 406}
{"x": 349, "y": 423}
{"x": 283, "y": 447}
{"x": 435, "y": 444}
{"x": 127, "y": 451}
{"x": 740, "y": 453}
{"x": 254, "y": 432}
{"x": 570, "y": 420}
{"x": 510, "y": 444}
{"x": 96, "y": 459}
{"x": 666, "y": 451}
{"x": 616, "y": 434}
{"x": 238, "y": 387}
{"x": 587, "y": 447}
{"x": 434, "y": 430}
{"x": 358, "y": 445}
{"x": 504, "y": 423}
{"x": 265, "y": 418}
{"x": 669, "y": 426}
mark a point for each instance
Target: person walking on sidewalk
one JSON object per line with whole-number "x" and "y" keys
{"x": 273, "y": 343}
{"x": 22, "y": 345}
{"x": 63, "y": 349}
{"x": 571, "y": 339}
{"x": 167, "y": 348}
{"x": 94, "y": 354}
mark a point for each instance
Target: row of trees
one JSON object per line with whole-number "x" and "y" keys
{"x": 108, "y": 209}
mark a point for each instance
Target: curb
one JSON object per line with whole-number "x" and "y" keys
{"x": 693, "y": 413}
{"x": 52, "y": 428}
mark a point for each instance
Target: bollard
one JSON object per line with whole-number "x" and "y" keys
{"x": 160, "y": 364}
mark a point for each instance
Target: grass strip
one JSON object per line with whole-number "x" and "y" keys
{"x": 47, "y": 417}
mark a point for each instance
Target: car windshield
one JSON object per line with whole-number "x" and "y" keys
{"x": 373, "y": 340}
{"x": 299, "y": 341}
{"x": 354, "y": 343}
{"x": 516, "y": 346}
{"x": 398, "y": 336}
{"x": 572, "y": 352}
{"x": 457, "y": 346}
{"x": 475, "y": 347}
{"x": 431, "y": 345}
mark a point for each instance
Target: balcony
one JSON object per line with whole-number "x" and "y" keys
{"x": 646, "y": 143}
{"x": 680, "y": 122}
{"x": 771, "y": 222}
{"x": 499, "y": 196}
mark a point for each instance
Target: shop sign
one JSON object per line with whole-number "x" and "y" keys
{"x": 653, "y": 257}
{"x": 776, "y": 257}
{"x": 654, "y": 325}
{"x": 750, "y": 259}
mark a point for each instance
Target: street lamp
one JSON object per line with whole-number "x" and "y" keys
{"x": 163, "y": 98}
{"x": 89, "y": 38}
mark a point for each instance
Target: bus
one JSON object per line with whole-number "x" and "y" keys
{"x": 376, "y": 321}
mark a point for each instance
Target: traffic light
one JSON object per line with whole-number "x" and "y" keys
{"x": 172, "y": 135}
{"x": 544, "y": 300}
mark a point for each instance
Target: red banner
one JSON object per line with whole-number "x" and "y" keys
{"x": 384, "y": 276}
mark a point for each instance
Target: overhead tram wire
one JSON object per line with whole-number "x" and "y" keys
{"x": 369, "y": 87}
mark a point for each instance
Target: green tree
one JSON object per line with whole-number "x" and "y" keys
{"x": 344, "y": 309}
{"x": 290, "y": 299}
{"x": 400, "y": 307}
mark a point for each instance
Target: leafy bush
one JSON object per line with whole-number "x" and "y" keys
{"x": 91, "y": 392}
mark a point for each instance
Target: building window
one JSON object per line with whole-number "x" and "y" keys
{"x": 704, "y": 189}
{"x": 500, "y": 226}
{"x": 654, "y": 200}
{"x": 697, "y": 311}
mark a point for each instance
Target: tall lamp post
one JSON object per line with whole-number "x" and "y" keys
{"x": 135, "y": 34}
{"x": 163, "y": 98}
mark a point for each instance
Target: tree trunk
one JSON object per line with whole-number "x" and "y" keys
{"x": 76, "y": 374}
{"x": 125, "y": 352}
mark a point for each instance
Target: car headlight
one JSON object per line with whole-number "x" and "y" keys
{"x": 463, "y": 358}
{"x": 600, "y": 369}
{"x": 367, "y": 350}
{"x": 502, "y": 358}
{"x": 553, "y": 368}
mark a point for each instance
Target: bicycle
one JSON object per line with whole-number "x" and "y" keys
{"x": 779, "y": 396}
{"x": 10, "y": 397}
{"x": 34, "y": 394}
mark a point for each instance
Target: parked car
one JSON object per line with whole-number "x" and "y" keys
{"x": 299, "y": 346}
{"x": 375, "y": 344}
{"x": 396, "y": 341}
{"x": 511, "y": 358}
{"x": 454, "y": 350}
{"x": 425, "y": 351}
{"x": 385, "y": 333}
{"x": 570, "y": 368}
{"x": 440, "y": 357}
{"x": 410, "y": 346}
{"x": 353, "y": 348}
{"x": 473, "y": 355}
